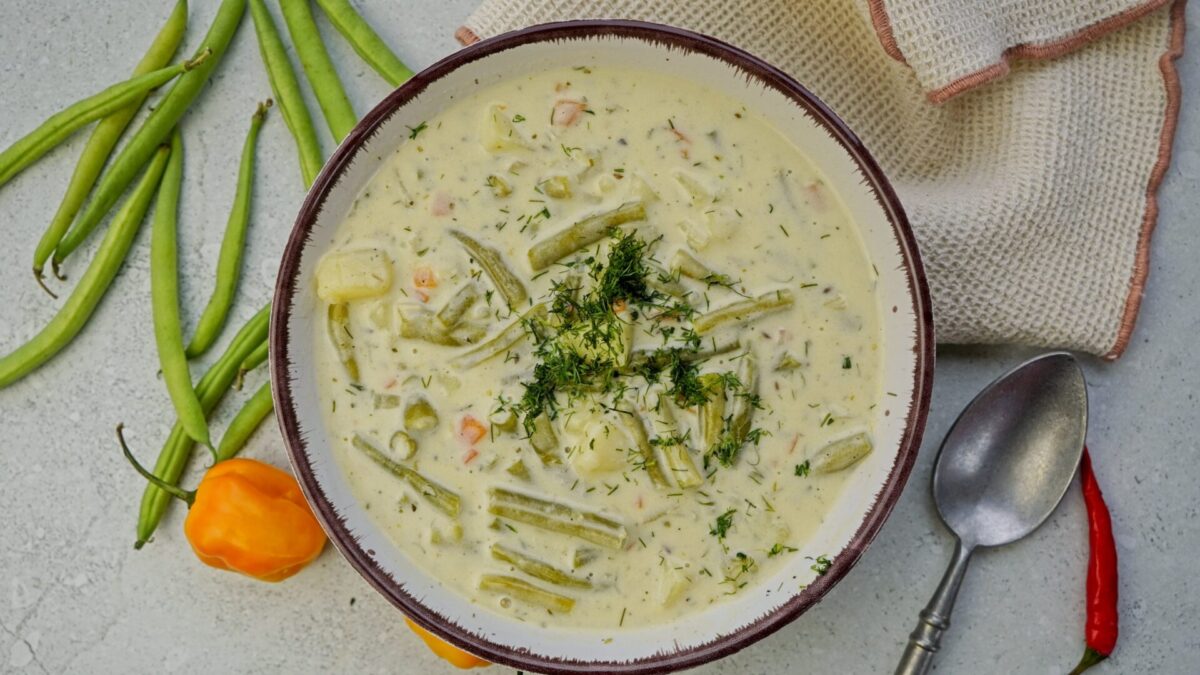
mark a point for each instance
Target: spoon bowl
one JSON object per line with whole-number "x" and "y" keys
{"x": 1009, "y": 458}
{"x": 1003, "y": 468}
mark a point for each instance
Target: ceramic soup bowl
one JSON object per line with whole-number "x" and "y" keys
{"x": 856, "y": 516}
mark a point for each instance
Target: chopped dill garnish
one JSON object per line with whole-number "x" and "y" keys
{"x": 413, "y": 132}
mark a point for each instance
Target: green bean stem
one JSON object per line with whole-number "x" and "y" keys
{"x": 94, "y": 283}
{"x": 256, "y": 359}
{"x": 246, "y": 422}
{"x": 154, "y": 131}
{"x": 318, "y": 67}
{"x": 286, "y": 89}
{"x": 164, "y": 299}
{"x": 232, "y": 246}
{"x": 18, "y": 156}
{"x": 583, "y": 233}
{"x": 211, "y": 388}
{"x": 366, "y": 41}
{"x": 104, "y": 138}
{"x": 510, "y": 287}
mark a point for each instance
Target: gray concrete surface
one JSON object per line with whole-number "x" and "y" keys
{"x": 76, "y": 598}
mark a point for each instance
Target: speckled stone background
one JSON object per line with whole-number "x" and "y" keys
{"x": 76, "y": 597}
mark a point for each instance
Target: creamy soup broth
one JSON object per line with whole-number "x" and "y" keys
{"x": 727, "y": 310}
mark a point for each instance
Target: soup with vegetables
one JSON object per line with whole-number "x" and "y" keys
{"x": 599, "y": 348}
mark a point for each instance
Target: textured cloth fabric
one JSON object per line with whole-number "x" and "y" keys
{"x": 1032, "y": 197}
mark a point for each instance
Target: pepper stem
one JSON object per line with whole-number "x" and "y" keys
{"x": 1090, "y": 658}
{"x": 187, "y": 496}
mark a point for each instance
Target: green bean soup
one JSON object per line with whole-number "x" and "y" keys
{"x": 598, "y": 348}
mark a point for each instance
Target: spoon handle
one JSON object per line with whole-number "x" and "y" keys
{"x": 935, "y": 618}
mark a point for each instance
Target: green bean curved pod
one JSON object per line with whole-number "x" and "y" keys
{"x": 525, "y": 592}
{"x": 155, "y": 130}
{"x": 508, "y": 336}
{"x": 507, "y": 283}
{"x": 744, "y": 310}
{"x": 583, "y": 233}
{"x": 92, "y": 286}
{"x": 440, "y": 498}
{"x": 286, "y": 89}
{"x": 18, "y": 156}
{"x": 211, "y": 388}
{"x": 232, "y": 246}
{"x": 536, "y": 568}
{"x": 164, "y": 299}
{"x": 105, "y": 136}
{"x": 370, "y": 47}
{"x": 451, "y": 314}
{"x": 641, "y": 441}
{"x": 318, "y": 68}
{"x": 246, "y": 422}
{"x": 741, "y": 410}
{"x": 556, "y": 517}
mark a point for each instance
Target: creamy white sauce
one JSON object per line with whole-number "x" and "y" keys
{"x": 715, "y": 180}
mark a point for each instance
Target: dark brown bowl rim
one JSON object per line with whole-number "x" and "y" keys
{"x": 766, "y": 74}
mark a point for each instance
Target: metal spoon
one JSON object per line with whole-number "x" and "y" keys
{"x": 1003, "y": 468}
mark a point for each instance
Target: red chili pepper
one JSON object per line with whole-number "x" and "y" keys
{"x": 1100, "y": 632}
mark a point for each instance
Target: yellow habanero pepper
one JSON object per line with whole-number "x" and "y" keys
{"x": 247, "y": 517}
{"x": 455, "y": 656}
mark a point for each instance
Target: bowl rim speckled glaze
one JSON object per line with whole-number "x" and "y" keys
{"x": 922, "y": 344}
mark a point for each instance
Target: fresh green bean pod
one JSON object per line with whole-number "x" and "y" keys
{"x": 536, "y": 568}
{"x": 252, "y": 414}
{"x": 525, "y": 592}
{"x": 510, "y": 335}
{"x": 507, "y": 283}
{"x": 30, "y": 148}
{"x": 583, "y": 233}
{"x": 744, "y": 310}
{"x": 675, "y": 451}
{"x": 164, "y": 299}
{"x": 256, "y": 359}
{"x": 440, "y": 498}
{"x": 366, "y": 41}
{"x": 105, "y": 136}
{"x": 286, "y": 89}
{"x": 712, "y": 411}
{"x": 544, "y": 440}
{"x": 318, "y": 67}
{"x": 741, "y": 409}
{"x": 155, "y": 130}
{"x": 452, "y": 312}
{"x": 338, "y": 322}
{"x": 641, "y": 441}
{"x": 233, "y": 245}
{"x": 556, "y": 517}
{"x": 94, "y": 283}
{"x": 210, "y": 389}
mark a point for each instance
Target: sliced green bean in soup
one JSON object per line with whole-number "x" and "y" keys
{"x": 583, "y": 342}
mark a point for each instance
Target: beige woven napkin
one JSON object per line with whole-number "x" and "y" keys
{"x": 1026, "y": 138}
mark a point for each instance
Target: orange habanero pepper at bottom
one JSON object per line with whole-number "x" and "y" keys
{"x": 447, "y": 651}
{"x": 247, "y": 517}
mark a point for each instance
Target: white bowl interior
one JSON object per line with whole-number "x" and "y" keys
{"x": 900, "y": 327}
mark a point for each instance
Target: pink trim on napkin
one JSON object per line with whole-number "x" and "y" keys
{"x": 1045, "y": 50}
{"x": 1141, "y": 261}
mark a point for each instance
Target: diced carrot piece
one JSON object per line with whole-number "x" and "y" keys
{"x": 471, "y": 454}
{"x": 441, "y": 205}
{"x": 471, "y": 430}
